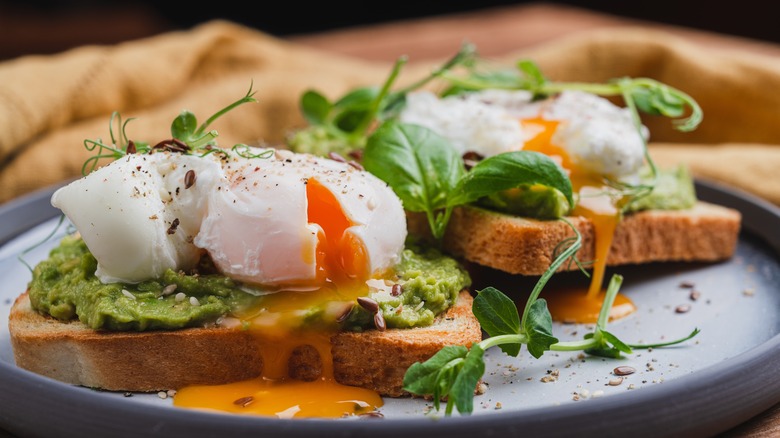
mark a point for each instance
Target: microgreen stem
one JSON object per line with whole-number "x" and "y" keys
{"x": 570, "y": 251}
{"x": 249, "y": 97}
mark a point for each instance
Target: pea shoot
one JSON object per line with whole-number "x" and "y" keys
{"x": 186, "y": 137}
{"x": 453, "y": 373}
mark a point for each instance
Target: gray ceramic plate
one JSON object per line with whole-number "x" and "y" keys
{"x": 727, "y": 374}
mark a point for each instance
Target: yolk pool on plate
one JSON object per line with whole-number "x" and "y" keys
{"x": 343, "y": 268}
{"x": 574, "y": 304}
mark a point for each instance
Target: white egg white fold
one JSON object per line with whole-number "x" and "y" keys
{"x": 141, "y": 215}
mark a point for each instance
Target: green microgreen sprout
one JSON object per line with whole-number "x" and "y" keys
{"x": 431, "y": 178}
{"x": 639, "y": 94}
{"x": 187, "y": 137}
{"x": 342, "y": 126}
{"x": 51, "y": 234}
{"x": 453, "y": 373}
{"x": 429, "y": 175}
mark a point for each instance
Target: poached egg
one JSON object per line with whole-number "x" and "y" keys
{"x": 589, "y": 136}
{"x": 286, "y": 221}
{"x": 596, "y": 135}
{"x": 303, "y": 231}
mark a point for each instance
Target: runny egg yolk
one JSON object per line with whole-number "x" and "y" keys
{"x": 342, "y": 269}
{"x": 574, "y": 304}
{"x": 340, "y": 257}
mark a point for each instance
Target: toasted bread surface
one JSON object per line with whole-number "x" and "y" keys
{"x": 160, "y": 360}
{"x": 706, "y": 232}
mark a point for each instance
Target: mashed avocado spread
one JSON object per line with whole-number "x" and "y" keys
{"x": 673, "y": 190}
{"x": 65, "y": 286}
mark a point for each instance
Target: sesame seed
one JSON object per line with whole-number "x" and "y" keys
{"x": 194, "y": 301}
{"x": 180, "y": 297}
{"x": 127, "y": 294}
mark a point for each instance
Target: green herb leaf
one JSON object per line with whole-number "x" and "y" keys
{"x": 533, "y": 75}
{"x": 435, "y": 376}
{"x": 607, "y": 345}
{"x": 418, "y": 164}
{"x": 538, "y": 328}
{"x": 315, "y": 107}
{"x": 184, "y": 126}
{"x": 497, "y": 314}
{"x": 511, "y": 170}
{"x": 462, "y": 391}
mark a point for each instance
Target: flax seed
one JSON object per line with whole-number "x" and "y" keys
{"x": 368, "y": 304}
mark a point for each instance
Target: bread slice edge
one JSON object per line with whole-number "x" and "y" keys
{"x": 706, "y": 232}
{"x": 161, "y": 360}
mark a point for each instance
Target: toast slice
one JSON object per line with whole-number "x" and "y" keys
{"x": 161, "y": 360}
{"x": 516, "y": 245}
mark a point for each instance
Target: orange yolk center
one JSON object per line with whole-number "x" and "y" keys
{"x": 574, "y": 304}
{"x": 342, "y": 270}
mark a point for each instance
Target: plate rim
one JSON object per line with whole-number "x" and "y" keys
{"x": 678, "y": 406}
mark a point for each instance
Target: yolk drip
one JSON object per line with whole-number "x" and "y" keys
{"x": 574, "y": 304}
{"x": 276, "y": 323}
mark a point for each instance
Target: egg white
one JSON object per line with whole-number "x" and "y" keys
{"x": 598, "y": 136}
{"x": 248, "y": 214}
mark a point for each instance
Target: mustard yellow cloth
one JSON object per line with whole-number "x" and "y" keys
{"x": 50, "y": 104}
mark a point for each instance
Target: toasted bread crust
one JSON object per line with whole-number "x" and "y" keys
{"x": 162, "y": 360}
{"x": 706, "y": 232}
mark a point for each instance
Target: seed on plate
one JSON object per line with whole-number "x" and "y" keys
{"x": 687, "y": 285}
{"x": 623, "y": 370}
{"x": 616, "y": 381}
{"x": 694, "y": 295}
{"x": 682, "y": 308}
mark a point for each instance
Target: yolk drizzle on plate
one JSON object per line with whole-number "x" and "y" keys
{"x": 342, "y": 270}
{"x": 574, "y": 304}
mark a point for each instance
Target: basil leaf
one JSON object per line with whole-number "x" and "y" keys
{"x": 497, "y": 314}
{"x": 462, "y": 391}
{"x": 315, "y": 107}
{"x": 417, "y": 163}
{"x": 538, "y": 328}
{"x": 511, "y": 170}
